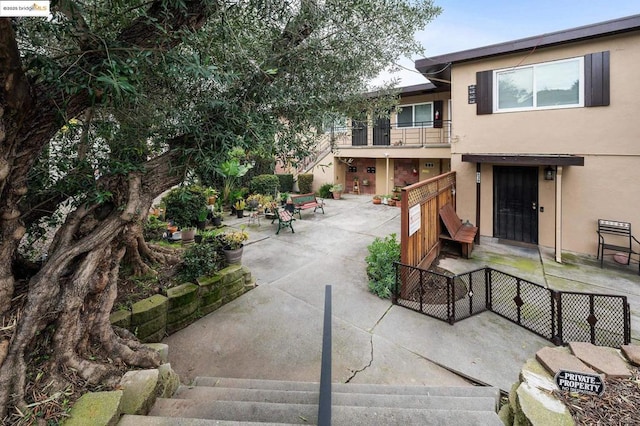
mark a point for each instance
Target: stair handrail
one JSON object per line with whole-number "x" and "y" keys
{"x": 324, "y": 403}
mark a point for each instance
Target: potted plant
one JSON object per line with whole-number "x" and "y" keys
{"x": 184, "y": 205}
{"x": 336, "y": 190}
{"x": 212, "y": 195}
{"x": 377, "y": 199}
{"x": 233, "y": 244}
{"x": 284, "y": 196}
{"x": 216, "y": 218}
{"x": 253, "y": 201}
{"x": 202, "y": 218}
{"x": 239, "y": 206}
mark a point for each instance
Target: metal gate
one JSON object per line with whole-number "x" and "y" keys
{"x": 558, "y": 316}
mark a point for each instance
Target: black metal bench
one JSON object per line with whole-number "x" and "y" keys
{"x": 285, "y": 220}
{"x": 306, "y": 201}
{"x": 620, "y": 239}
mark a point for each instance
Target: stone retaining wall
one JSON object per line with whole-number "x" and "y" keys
{"x": 155, "y": 317}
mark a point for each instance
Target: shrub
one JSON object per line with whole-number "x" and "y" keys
{"x": 325, "y": 191}
{"x": 304, "y": 183}
{"x": 184, "y": 204}
{"x": 380, "y": 268}
{"x": 201, "y": 260}
{"x": 286, "y": 182}
{"x": 153, "y": 229}
{"x": 265, "y": 184}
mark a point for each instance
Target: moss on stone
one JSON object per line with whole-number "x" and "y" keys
{"x": 148, "y": 309}
{"x": 121, "y": 318}
{"x": 181, "y": 295}
{"x": 96, "y": 408}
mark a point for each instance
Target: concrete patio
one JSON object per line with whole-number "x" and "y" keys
{"x": 275, "y": 330}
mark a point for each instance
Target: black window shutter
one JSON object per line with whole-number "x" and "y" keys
{"x": 484, "y": 92}
{"x": 596, "y": 79}
{"x": 437, "y": 114}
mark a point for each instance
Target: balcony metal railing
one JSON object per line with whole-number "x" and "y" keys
{"x": 417, "y": 134}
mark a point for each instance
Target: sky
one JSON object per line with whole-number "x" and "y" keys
{"x": 467, "y": 24}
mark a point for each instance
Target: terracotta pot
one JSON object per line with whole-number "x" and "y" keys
{"x": 337, "y": 195}
{"x": 377, "y": 201}
{"x": 391, "y": 202}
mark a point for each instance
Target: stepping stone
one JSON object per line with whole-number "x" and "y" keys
{"x": 600, "y": 359}
{"x": 555, "y": 360}
{"x": 632, "y": 352}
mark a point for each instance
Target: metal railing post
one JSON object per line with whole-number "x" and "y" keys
{"x": 324, "y": 403}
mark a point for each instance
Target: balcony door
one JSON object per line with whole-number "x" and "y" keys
{"x": 358, "y": 132}
{"x": 382, "y": 132}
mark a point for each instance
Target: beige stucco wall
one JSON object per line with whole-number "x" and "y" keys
{"x": 608, "y": 186}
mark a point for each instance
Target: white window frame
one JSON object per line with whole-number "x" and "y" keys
{"x": 580, "y": 104}
{"x": 413, "y": 116}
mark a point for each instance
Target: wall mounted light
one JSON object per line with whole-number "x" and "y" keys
{"x": 549, "y": 173}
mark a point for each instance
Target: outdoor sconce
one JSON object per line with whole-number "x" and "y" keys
{"x": 549, "y": 173}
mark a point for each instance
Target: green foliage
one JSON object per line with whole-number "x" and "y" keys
{"x": 286, "y": 182}
{"x": 231, "y": 171}
{"x": 184, "y": 204}
{"x": 154, "y": 228}
{"x": 380, "y": 268}
{"x": 304, "y": 183}
{"x": 265, "y": 184}
{"x": 325, "y": 190}
{"x": 202, "y": 259}
{"x": 336, "y": 187}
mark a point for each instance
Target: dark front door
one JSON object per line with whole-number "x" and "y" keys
{"x": 515, "y": 203}
{"x": 358, "y": 133}
{"x": 382, "y": 132}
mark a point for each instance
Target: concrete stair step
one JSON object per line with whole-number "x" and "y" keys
{"x": 307, "y": 414}
{"x": 131, "y": 420}
{"x": 473, "y": 403}
{"x": 245, "y": 411}
{"x": 478, "y": 391}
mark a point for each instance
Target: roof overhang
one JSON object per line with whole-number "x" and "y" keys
{"x": 525, "y": 159}
{"x": 439, "y": 67}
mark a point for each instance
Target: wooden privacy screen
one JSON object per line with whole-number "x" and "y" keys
{"x": 423, "y": 246}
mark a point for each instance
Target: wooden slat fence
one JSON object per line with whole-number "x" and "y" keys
{"x": 423, "y": 246}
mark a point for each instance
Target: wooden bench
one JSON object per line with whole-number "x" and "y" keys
{"x": 285, "y": 220}
{"x": 456, "y": 231}
{"x": 620, "y": 239}
{"x": 306, "y": 201}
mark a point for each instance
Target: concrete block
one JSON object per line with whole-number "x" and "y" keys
{"x": 540, "y": 408}
{"x": 139, "y": 391}
{"x": 184, "y": 294}
{"x": 162, "y": 349}
{"x": 121, "y": 318}
{"x": 102, "y": 408}
{"x": 148, "y": 309}
{"x": 169, "y": 381}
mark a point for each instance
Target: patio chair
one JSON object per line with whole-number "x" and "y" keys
{"x": 618, "y": 239}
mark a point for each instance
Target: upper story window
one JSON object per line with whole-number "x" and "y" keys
{"x": 558, "y": 84}
{"x": 417, "y": 115}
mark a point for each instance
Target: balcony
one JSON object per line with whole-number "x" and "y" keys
{"x": 418, "y": 135}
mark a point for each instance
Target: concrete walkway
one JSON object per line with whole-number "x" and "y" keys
{"x": 275, "y": 330}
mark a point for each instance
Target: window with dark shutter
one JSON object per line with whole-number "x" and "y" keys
{"x": 596, "y": 79}
{"x": 484, "y": 92}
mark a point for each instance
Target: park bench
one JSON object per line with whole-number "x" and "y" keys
{"x": 456, "y": 231}
{"x": 285, "y": 220}
{"x": 306, "y": 201}
{"x": 620, "y": 239}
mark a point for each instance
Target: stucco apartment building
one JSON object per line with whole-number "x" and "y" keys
{"x": 543, "y": 132}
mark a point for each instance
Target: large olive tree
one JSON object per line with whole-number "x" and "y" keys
{"x": 108, "y": 104}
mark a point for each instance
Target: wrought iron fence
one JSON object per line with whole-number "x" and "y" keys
{"x": 558, "y": 316}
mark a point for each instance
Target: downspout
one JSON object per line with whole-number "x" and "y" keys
{"x": 559, "y": 214}
{"x": 478, "y": 168}
{"x": 386, "y": 155}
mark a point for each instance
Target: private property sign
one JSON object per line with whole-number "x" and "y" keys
{"x": 574, "y": 381}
